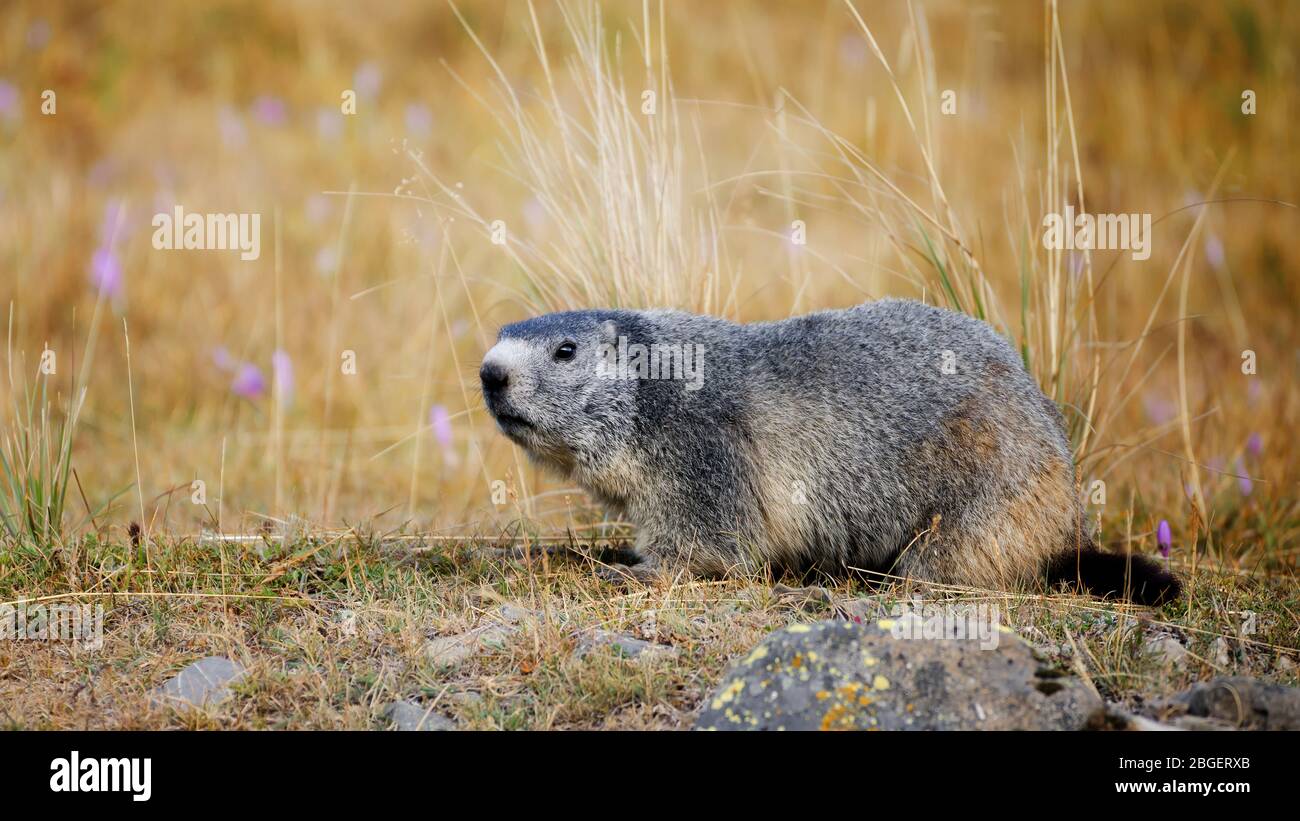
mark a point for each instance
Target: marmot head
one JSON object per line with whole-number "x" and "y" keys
{"x": 545, "y": 384}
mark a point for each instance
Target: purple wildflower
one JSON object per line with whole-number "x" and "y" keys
{"x": 8, "y": 100}
{"x": 1158, "y": 410}
{"x": 1255, "y": 444}
{"x": 222, "y": 359}
{"x": 106, "y": 272}
{"x": 105, "y": 268}
{"x": 270, "y": 110}
{"x": 441, "y": 423}
{"x": 1243, "y": 479}
{"x": 367, "y": 79}
{"x": 419, "y": 120}
{"x": 248, "y": 382}
{"x": 1164, "y": 537}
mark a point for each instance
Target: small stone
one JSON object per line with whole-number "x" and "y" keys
{"x": 449, "y": 651}
{"x": 203, "y": 683}
{"x": 1284, "y": 664}
{"x": 626, "y": 646}
{"x": 513, "y": 614}
{"x": 494, "y": 637}
{"x": 409, "y": 716}
{"x": 467, "y": 698}
{"x": 347, "y": 623}
{"x": 809, "y": 597}
{"x": 861, "y": 610}
{"x": 1222, "y": 653}
{"x": 1166, "y": 649}
{"x": 650, "y": 624}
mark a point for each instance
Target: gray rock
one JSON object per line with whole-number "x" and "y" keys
{"x": 204, "y": 683}
{"x": 1244, "y": 703}
{"x": 513, "y": 614}
{"x": 465, "y": 699}
{"x": 347, "y": 623}
{"x": 409, "y": 716}
{"x": 863, "y": 609}
{"x": 1222, "y": 653}
{"x": 624, "y": 645}
{"x": 844, "y": 675}
{"x": 649, "y": 623}
{"x": 449, "y": 651}
{"x": 1166, "y": 650}
{"x": 807, "y": 595}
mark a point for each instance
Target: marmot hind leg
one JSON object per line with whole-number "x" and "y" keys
{"x": 1002, "y": 534}
{"x": 929, "y": 558}
{"x": 984, "y": 556}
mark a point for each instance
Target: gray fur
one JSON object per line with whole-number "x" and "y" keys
{"x": 833, "y": 440}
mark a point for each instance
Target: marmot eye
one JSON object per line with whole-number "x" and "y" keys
{"x": 565, "y": 352}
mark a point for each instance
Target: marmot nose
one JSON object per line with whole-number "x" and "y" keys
{"x": 494, "y": 377}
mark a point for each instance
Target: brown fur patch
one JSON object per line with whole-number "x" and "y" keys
{"x": 1031, "y": 526}
{"x": 1009, "y": 542}
{"x": 970, "y": 429}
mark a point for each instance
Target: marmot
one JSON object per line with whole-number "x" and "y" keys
{"x": 892, "y": 438}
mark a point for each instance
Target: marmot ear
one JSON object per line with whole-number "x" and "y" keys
{"x": 609, "y": 331}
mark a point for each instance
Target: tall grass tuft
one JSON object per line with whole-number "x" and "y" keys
{"x": 608, "y": 167}
{"x": 1047, "y": 310}
{"x": 36, "y": 451}
{"x": 36, "y": 460}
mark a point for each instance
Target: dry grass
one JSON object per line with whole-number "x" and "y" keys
{"x": 334, "y": 628}
{"x": 377, "y": 240}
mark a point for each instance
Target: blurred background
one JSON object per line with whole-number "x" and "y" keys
{"x": 787, "y": 157}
